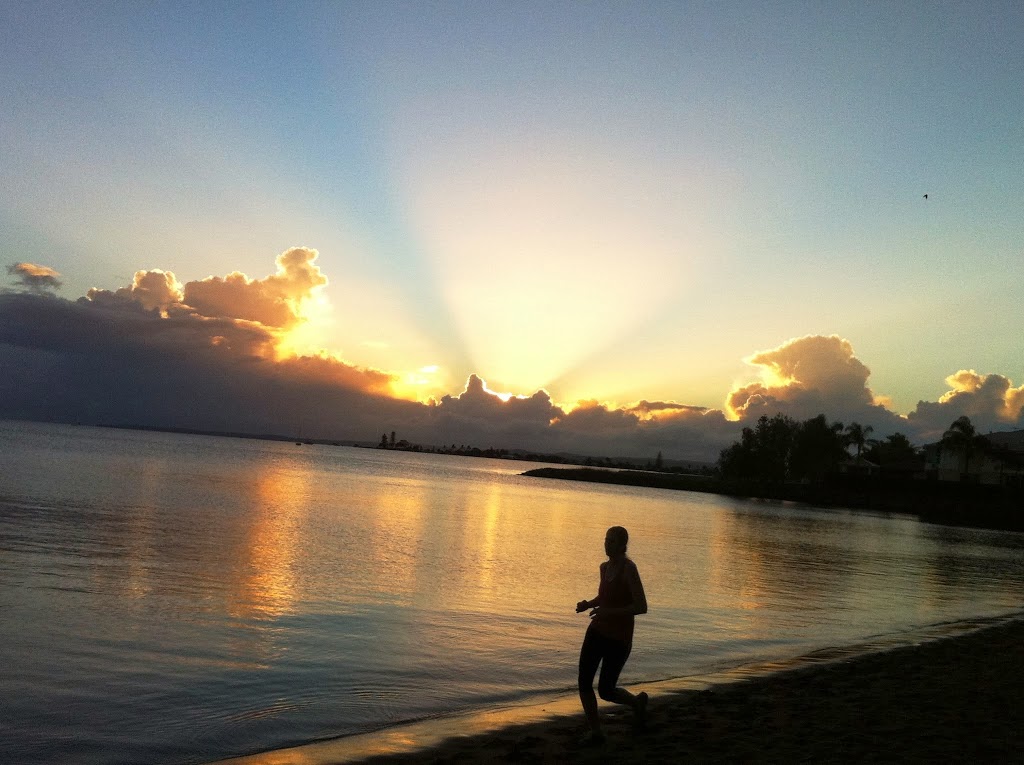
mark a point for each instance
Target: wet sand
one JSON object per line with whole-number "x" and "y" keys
{"x": 954, "y": 700}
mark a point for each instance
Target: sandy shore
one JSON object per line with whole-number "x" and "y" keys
{"x": 954, "y": 700}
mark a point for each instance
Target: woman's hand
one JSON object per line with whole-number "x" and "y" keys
{"x": 582, "y": 606}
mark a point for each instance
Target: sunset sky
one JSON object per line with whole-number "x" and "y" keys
{"x": 609, "y": 203}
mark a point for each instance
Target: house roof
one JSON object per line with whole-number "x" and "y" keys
{"x": 859, "y": 462}
{"x": 1013, "y": 439}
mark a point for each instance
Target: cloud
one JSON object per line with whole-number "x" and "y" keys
{"x": 205, "y": 355}
{"x": 482, "y": 417}
{"x": 642, "y": 430}
{"x": 820, "y": 374}
{"x": 329, "y": 372}
{"x": 806, "y": 376}
{"x": 594, "y": 418}
{"x": 990, "y": 401}
{"x": 115, "y": 325}
{"x": 153, "y": 290}
{"x": 35, "y": 278}
{"x": 113, "y": 361}
{"x": 275, "y": 301}
{"x": 142, "y": 355}
{"x": 646, "y": 409}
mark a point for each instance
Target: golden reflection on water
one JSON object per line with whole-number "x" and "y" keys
{"x": 438, "y": 548}
{"x": 253, "y": 552}
{"x": 396, "y": 533}
{"x": 266, "y": 582}
{"x": 395, "y": 575}
{"x": 735, "y": 573}
{"x": 491, "y": 512}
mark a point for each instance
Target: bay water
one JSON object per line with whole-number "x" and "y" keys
{"x": 169, "y": 598}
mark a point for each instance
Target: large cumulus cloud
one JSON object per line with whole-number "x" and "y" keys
{"x": 990, "y": 400}
{"x": 153, "y": 290}
{"x": 274, "y": 301}
{"x": 677, "y": 430}
{"x": 205, "y": 355}
{"x": 809, "y": 375}
{"x": 820, "y": 374}
{"x": 142, "y": 354}
{"x": 484, "y": 418}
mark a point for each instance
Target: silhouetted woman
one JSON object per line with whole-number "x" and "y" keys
{"x": 609, "y": 637}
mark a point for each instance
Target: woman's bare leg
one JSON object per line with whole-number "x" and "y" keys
{"x": 589, "y": 701}
{"x": 590, "y": 657}
{"x": 622, "y": 696}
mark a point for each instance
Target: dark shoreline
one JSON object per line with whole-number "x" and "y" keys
{"x": 955, "y": 700}
{"x": 952, "y": 699}
{"x": 947, "y": 503}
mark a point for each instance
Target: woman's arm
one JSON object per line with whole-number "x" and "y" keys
{"x": 636, "y": 589}
{"x": 583, "y": 605}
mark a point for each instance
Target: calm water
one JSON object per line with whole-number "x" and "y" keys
{"x": 177, "y": 599}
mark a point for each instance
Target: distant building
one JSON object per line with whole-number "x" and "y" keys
{"x": 1013, "y": 439}
{"x": 1000, "y": 463}
{"x": 858, "y": 466}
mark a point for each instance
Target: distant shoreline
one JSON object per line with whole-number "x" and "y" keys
{"x": 516, "y": 454}
{"x": 946, "y": 503}
{"x": 942, "y": 502}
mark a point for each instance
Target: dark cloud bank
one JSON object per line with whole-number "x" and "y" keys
{"x": 204, "y": 355}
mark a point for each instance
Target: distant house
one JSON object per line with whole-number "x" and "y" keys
{"x": 858, "y": 466}
{"x": 1013, "y": 440}
{"x": 1000, "y": 463}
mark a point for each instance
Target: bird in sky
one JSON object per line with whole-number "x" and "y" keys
{"x": 925, "y": 196}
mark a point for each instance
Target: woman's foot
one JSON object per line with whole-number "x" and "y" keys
{"x": 591, "y": 738}
{"x": 640, "y": 710}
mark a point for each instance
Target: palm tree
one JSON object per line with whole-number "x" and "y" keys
{"x": 961, "y": 437}
{"x": 857, "y": 435}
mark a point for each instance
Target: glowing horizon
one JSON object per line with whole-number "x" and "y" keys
{"x": 598, "y": 203}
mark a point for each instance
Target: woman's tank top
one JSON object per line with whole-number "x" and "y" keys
{"x": 615, "y": 593}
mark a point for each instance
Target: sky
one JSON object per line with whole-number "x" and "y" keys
{"x": 608, "y": 228}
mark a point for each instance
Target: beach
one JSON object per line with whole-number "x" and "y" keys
{"x": 957, "y": 699}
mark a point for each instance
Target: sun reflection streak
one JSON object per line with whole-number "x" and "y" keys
{"x": 267, "y": 585}
{"x": 396, "y": 538}
{"x": 491, "y": 513}
{"x": 736, "y": 585}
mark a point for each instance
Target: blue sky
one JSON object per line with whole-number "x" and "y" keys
{"x": 608, "y": 201}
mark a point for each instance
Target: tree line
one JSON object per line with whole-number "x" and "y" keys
{"x": 779, "y": 449}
